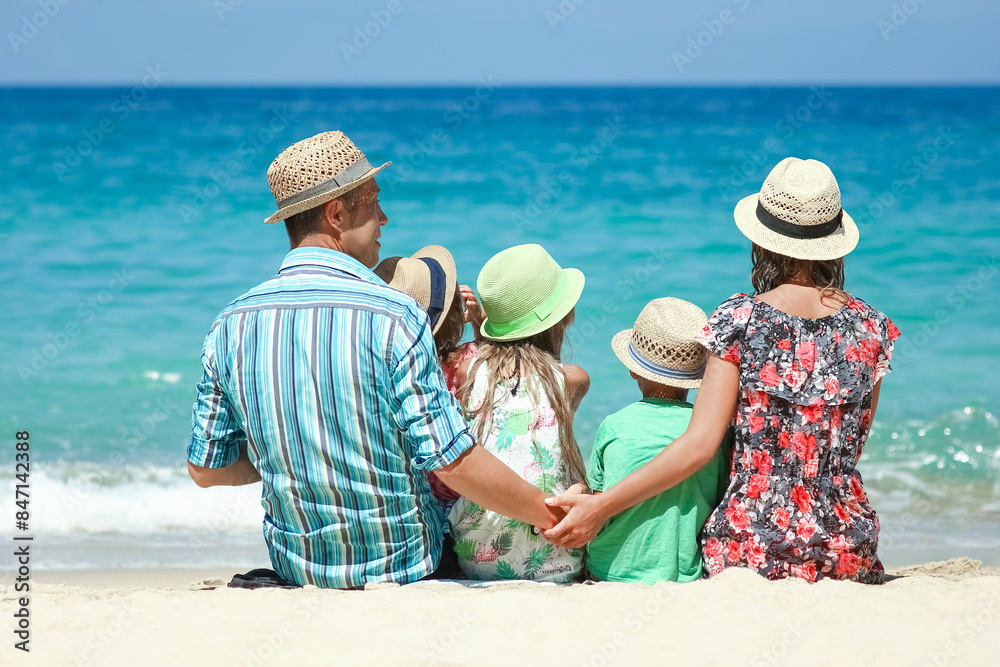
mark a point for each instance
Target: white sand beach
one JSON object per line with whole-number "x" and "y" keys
{"x": 941, "y": 613}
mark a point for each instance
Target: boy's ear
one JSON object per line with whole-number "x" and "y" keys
{"x": 634, "y": 375}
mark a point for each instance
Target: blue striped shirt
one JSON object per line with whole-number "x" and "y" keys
{"x": 332, "y": 381}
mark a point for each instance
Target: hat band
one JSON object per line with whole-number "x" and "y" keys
{"x": 438, "y": 282}
{"x": 537, "y": 315}
{"x": 785, "y": 228}
{"x": 672, "y": 373}
{"x": 344, "y": 177}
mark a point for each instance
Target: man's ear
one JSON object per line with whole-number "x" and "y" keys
{"x": 335, "y": 220}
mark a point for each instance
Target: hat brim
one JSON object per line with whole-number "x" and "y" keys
{"x": 290, "y": 210}
{"x": 619, "y": 343}
{"x": 447, "y": 262}
{"x": 566, "y": 304}
{"x": 832, "y": 246}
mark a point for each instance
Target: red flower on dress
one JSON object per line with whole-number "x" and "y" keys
{"x": 803, "y": 445}
{"x": 812, "y": 413}
{"x": 892, "y": 330}
{"x": 733, "y": 551}
{"x": 762, "y": 462}
{"x": 854, "y": 304}
{"x": 741, "y": 315}
{"x": 806, "y": 527}
{"x": 839, "y": 543}
{"x": 848, "y": 564}
{"x": 757, "y": 486}
{"x": 832, "y": 386}
{"x": 732, "y": 354}
{"x": 806, "y": 354}
{"x": 871, "y": 325}
{"x": 756, "y": 424}
{"x": 836, "y": 417}
{"x": 736, "y": 514}
{"x": 774, "y": 421}
{"x": 858, "y": 490}
{"x": 869, "y": 351}
{"x": 841, "y": 513}
{"x": 781, "y": 518}
{"x": 851, "y": 353}
{"x": 755, "y": 554}
{"x": 769, "y": 375}
{"x": 794, "y": 377}
{"x": 837, "y": 337}
{"x": 805, "y": 571}
{"x": 802, "y": 498}
{"x": 783, "y": 439}
{"x": 713, "y": 548}
{"x": 785, "y": 344}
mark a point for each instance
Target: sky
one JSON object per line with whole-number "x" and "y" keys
{"x": 544, "y": 42}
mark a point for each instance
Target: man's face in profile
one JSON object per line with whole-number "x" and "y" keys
{"x": 360, "y": 239}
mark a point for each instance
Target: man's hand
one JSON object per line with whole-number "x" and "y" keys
{"x": 487, "y": 481}
{"x": 584, "y": 519}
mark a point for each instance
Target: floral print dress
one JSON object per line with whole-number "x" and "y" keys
{"x": 795, "y": 505}
{"x": 525, "y": 436}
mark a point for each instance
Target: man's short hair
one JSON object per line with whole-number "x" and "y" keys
{"x": 307, "y": 222}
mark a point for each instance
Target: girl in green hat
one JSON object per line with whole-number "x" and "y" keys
{"x": 521, "y": 400}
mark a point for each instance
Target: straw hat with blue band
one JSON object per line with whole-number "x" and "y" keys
{"x": 797, "y": 213}
{"x": 661, "y": 346}
{"x": 429, "y": 276}
{"x": 524, "y": 292}
{"x": 314, "y": 171}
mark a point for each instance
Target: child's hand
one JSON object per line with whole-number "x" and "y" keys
{"x": 474, "y": 314}
{"x": 582, "y": 522}
{"x": 577, "y": 489}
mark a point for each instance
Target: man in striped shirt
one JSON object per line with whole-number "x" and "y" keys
{"x": 324, "y": 383}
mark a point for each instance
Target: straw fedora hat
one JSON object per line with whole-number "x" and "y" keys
{"x": 314, "y": 171}
{"x": 797, "y": 213}
{"x": 524, "y": 292}
{"x": 661, "y": 346}
{"x": 429, "y": 276}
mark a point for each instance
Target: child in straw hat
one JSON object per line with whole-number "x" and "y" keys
{"x": 430, "y": 277}
{"x": 657, "y": 540}
{"x": 521, "y": 399}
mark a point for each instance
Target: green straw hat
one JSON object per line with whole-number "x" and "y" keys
{"x": 524, "y": 292}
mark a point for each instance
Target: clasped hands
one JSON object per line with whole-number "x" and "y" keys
{"x": 584, "y": 517}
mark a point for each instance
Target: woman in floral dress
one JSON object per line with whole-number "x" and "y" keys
{"x": 798, "y": 368}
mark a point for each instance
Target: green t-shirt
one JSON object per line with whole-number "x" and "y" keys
{"x": 657, "y": 540}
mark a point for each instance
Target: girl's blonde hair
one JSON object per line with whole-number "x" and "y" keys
{"x": 536, "y": 358}
{"x": 771, "y": 269}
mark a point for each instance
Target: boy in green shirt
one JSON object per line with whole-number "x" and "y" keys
{"x": 657, "y": 540}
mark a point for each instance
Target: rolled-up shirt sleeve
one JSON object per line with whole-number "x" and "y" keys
{"x": 434, "y": 431}
{"x": 216, "y": 433}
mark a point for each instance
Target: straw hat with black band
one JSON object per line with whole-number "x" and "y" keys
{"x": 797, "y": 213}
{"x": 429, "y": 276}
{"x": 314, "y": 171}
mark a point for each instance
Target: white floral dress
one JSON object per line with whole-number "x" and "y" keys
{"x": 525, "y": 436}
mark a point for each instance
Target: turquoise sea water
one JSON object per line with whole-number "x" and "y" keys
{"x": 131, "y": 217}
